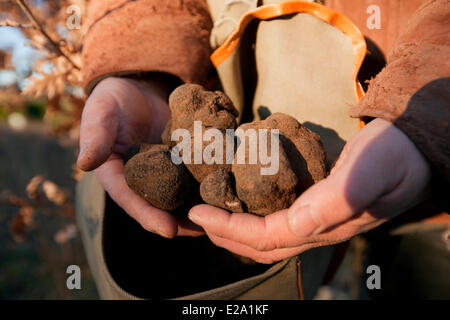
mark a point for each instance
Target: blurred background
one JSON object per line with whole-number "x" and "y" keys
{"x": 40, "y": 108}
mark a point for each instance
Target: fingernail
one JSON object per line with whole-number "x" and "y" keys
{"x": 193, "y": 216}
{"x": 301, "y": 222}
{"x": 166, "y": 235}
{"x": 163, "y": 233}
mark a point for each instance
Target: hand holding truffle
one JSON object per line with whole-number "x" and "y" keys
{"x": 121, "y": 112}
{"x": 379, "y": 175}
{"x": 261, "y": 167}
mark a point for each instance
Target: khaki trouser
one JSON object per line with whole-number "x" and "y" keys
{"x": 111, "y": 262}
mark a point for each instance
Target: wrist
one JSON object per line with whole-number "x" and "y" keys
{"x": 160, "y": 83}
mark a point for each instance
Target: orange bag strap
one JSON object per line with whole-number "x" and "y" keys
{"x": 319, "y": 11}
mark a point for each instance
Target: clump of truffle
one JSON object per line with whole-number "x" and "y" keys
{"x": 237, "y": 186}
{"x": 191, "y": 102}
{"x": 217, "y": 161}
{"x": 154, "y": 176}
{"x": 301, "y": 163}
{"x": 218, "y": 189}
{"x": 143, "y": 147}
{"x": 264, "y": 194}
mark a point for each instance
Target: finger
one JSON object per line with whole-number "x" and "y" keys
{"x": 261, "y": 233}
{"x": 188, "y": 228}
{"x": 111, "y": 176}
{"x": 98, "y": 129}
{"x": 358, "y": 181}
{"x": 340, "y": 160}
{"x": 266, "y": 257}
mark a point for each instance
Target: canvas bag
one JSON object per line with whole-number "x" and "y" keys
{"x": 307, "y": 59}
{"x": 294, "y": 278}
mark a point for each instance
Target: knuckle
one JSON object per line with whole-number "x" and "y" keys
{"x": 265, "y": 244}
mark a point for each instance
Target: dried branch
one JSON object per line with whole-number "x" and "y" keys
{"x": 10, "y": 23}
{"x": 39, "y": 27}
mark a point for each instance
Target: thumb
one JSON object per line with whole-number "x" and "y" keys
{"x": 349, "y": 190}
{"x": 98, "y": 130}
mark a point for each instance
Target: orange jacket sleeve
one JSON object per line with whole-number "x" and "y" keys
{"x": 413, "y": 90}
{"x": 126, "y": 37}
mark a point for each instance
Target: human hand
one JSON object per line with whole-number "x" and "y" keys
{"x": 379, "y": 174}
{"x": 121, "y": 112}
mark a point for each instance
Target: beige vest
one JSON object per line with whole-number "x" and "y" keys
{"x": 304, "y": 67}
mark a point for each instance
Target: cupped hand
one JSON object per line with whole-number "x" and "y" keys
{"x": 379, "y": 175}
{"x": 121, "y": 112}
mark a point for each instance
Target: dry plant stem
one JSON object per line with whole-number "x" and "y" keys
{"x": 39, "y": 27}
{"x": 10, "y": 23}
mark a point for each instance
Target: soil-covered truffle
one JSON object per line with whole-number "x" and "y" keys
{"x": 216, "y": 162}
{"x": 301, "y": 164}
{"x": 237, "y": 187}
{"x": 218, "y": 189}
{"x": 143, "y": 147}
{"x": 191, "y": 102}
{"x": 154, "y": 176}
{"x": 264, "y": 194}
